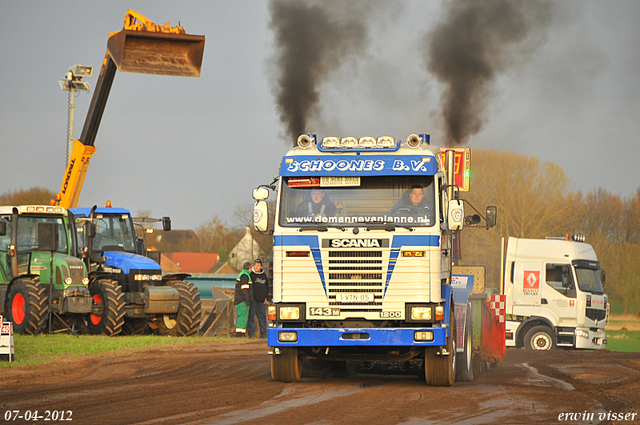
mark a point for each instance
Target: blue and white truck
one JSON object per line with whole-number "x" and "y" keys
{"x": 364, "y": 241}
{"x": 128, "y": 289}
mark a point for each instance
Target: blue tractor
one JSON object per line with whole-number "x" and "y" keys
{"x": 128, "y": 289}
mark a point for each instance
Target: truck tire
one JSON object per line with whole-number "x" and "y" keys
{"x": 464, "y": 360}
{"x": 27, "y": 306}
{"x": 186, "y": 322}
{"x": 286, "y": 366}
{"x": 108, "y": 300}
{"x": 539, "y": 338}
{"x": 440, "y": 371}
{"x": 134, "y": 326}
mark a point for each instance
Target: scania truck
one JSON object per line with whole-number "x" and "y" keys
{"x": 364, "y": 238}
{"x": 555, "y": 296}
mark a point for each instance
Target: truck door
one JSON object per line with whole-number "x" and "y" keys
{"x": 559, "y": 292}
{"x": 526, "y": 294}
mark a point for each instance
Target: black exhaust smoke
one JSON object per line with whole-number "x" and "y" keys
{"x": 477, "y": 41}
{"x": 312, "y": 40}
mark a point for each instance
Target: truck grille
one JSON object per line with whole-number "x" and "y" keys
{"x": 356, "y": 272}
{"x": 596, "y": 315}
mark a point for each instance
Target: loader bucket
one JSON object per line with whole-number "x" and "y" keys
{"x": 147, "y": 52}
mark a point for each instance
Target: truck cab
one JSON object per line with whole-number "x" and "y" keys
{"x": 555, "y": 295}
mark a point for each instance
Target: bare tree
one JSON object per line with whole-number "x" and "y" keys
{"x": 33, "y": 196}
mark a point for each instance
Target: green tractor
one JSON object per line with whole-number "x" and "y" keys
{"x": 42, "y": 283}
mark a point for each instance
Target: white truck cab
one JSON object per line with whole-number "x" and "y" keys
{"x": 554, "y": 294}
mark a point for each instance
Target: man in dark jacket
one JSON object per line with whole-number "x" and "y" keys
{"x": 260, "y": 285}
{"x": 316, "y": 205}
{"x": 242, "y": 299}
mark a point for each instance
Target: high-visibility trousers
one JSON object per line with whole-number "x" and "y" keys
{"x": 243, "y": 315}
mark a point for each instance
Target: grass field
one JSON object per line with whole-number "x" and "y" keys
{"x": 31, "y": 350}
{"x": 626, "y": 341}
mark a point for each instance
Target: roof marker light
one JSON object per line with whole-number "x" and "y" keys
{"x": 386, "y": 142}
{"x": 330, "y": 142}
{"x": 349, "y": 142}
{"x": 367, "y": 142}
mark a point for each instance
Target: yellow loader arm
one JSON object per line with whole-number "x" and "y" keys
{"x": 141, "y": 47}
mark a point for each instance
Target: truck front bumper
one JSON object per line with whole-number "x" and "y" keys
{"x": 355, "y": 337}
{"x": 590, "y": 340}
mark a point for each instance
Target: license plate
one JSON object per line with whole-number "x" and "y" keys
{"x": 358, "y": 298}
{"x": 324, "y": 311}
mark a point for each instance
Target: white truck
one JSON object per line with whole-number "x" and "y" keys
{"x": 554, "y": 294}
{"x": 364, "y": 237}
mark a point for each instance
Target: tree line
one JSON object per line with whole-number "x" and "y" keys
{"x": 535, "y": 199}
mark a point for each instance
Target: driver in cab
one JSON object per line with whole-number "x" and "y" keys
{"x": 316, "y": 205}
{"x": 412, "y": 203}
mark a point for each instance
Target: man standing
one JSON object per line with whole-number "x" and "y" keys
{"x": 260, "y": 285}
{"x": 242, "y": 299}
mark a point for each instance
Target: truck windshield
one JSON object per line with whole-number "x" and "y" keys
{"x": 28, "y": 233}
{"x": 358, "y": 201}
{"x": 589, "y": 279}
{"x": 114, "y": 233}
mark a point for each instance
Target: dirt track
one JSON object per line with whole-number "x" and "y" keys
{"x": 230, "y": 383}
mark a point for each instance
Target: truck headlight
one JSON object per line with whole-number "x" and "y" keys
{"x": 288, "y": 336}
{"x": 68, "y": 281}
{"x": 289, "y": 313}
{"x": 420, "y": 313}
{"x": 85, "y": 280}
{"x": 581, "y": 333}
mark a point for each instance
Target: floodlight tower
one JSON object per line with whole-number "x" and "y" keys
{"x": 72, "y": 82}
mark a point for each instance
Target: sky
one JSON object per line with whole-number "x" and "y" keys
{"x": 194, "y": 148}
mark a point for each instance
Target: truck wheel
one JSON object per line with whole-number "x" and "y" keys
{"x": 134, "y": 326}
{"x": 440, "y": 371}
{"x": 286, "y": 366}
{"x": 27, "y": 306}
{"x": 539, "y": 338}
{"x": 186, "y": 322}
{"x": 464, "y": 366}
{"x": 107, "y": 317}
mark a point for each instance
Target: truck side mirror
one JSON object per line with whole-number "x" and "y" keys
{"x": 90, "y": 229}
{"x": 455, "y": 215}
{"x": 166, "y": 223}
{"x": 260, "y": 194}
{"x": 260, "y": 216}
{"x": 3, "y": 228}
{"x": 491, "y": 214}
{"x": 603, "y": 277}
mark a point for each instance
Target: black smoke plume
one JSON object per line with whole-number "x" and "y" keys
{"x": 312, "y": 40}
{"x": 478, "y": 40}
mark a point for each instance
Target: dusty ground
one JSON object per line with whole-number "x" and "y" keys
{"x": 229, "y": 383}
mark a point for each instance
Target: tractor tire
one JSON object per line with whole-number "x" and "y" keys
{"x": 186, "y": 322}
{"x": 440, "y": 371}
{"x": 27, "y": 306}
{"x": 540, "y": 338}
{"x": 464, "y": 366}
{"x": 286, "y": 366}
{"x": 108, "y": 297}
{"x": 134, "y": 326}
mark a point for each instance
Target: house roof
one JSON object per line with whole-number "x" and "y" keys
{"x": 194, "y": 262}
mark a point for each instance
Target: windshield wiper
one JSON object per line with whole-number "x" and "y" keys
{"x": 317, "y": 229}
